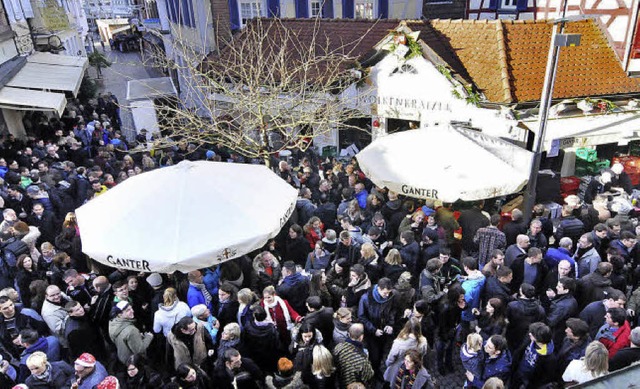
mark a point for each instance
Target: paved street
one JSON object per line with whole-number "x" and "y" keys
{"x": 125, "y": 67}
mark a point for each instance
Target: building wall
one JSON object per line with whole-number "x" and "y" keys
{"x": 438, "y": 9}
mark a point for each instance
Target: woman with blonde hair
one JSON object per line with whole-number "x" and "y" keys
{"x": 169, "y": 312}
{"x": 594, "y": 364}
{"x": 230, "y": 338}
{"x": 246, "y": 298}
{"x": 46, "y": 374}
{"x": 413, "y": 222}
{"x": 410, "y": 337}
{"x": 322, "y": 368}
{"x": 393, "y": 267}
{"x": 280, "y": 313}
{"x": 369, "y": 259}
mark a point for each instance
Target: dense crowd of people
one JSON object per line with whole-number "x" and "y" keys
{"x": 363, "y": 288}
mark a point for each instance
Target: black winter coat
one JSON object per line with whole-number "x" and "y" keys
{"x": 322, "y": 320}
{"x": 562, "y": 308}
{"x": 261, "y": 342}
{"x": 411, "y": 257}
{"x": 374, "y": 315}
{"x": 494, "y": 288}
{"x": 521, "y": 313}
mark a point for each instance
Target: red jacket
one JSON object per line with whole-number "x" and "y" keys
{"x": 313, "y": 237}
{"x": 622, "y": 339}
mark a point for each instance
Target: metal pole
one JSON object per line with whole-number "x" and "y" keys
{"x": 545, "y": 104}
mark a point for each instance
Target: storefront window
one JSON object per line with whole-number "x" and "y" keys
{"x": 364, "y": 9}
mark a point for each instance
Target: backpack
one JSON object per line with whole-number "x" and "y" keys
{"x": 10, "y": 252}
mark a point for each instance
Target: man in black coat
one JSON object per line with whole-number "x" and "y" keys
{"x": 320, "y": 317}
{"x": 471, "y": 220}
{"x": 12, "y": 321}
{"x": 593, "y": 314}
{"x": 517, "y": 226}
{"x": 563, "y": 306}
{"x": 81, "y": 334}
{"x": 410, "y": 252}
{"x": 498, "y": 285}
{"x": 233, "y": 367}
{"x": 628, "y": 355}
{"x": 517, "y": 250}
{"x": 530, "y": 269}
{"x": 521, "y": 313}
{"x": 294, "y": 287}
{"x": 595, "y": 286}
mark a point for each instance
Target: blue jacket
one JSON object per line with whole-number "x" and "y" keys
{"x": 362, "y": 198}
{"x": 99, "y": 374}
{"x": 49, "y": 345}
{"x": 376, "y": 314}
{"x": 499, "y": 367}
{"x": 195, "y": 297}
{"x": 555, "y": 255}
{"x": 211, "y": 280}
{"x": 472, "y": 290}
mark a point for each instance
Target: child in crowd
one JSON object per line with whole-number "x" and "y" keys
{"x": 472, "y": 357}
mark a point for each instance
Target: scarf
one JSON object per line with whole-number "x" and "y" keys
{"x": 203, "y": 289}
{"x": 278, "y": 301}
{"x": 376, "y": 296}
{"x": 405, "y": 378}
{"x": 45, "y": 375}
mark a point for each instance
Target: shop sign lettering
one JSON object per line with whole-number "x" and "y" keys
{"x": 406, "y": 103}
{"x": 422, "y": 192}
{"x": 133, "y": 264}
{"x": 287, "y": 215}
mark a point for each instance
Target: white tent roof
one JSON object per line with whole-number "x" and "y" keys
{"x": 23, "y": 99}
{"x": 51, "y": 73}
{"x": 149, "y": 88}
{"x": 590, "y": 130}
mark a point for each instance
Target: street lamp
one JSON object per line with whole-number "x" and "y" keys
{"x": 558, "y": 40}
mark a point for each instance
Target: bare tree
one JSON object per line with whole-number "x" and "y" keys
{"x": 273, "y": 86}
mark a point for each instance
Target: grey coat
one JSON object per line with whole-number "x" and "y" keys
{"x": 396, "y": 356}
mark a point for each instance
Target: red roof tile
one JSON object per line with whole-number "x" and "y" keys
{"x": 506, "y": 60}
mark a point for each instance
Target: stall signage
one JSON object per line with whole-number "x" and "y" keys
{"x": 566, "y": 143}
{"x": 399, "y": 103}
{"x": 422, "y": 192}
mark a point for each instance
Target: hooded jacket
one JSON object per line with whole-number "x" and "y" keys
{"x": 127, "y": 338}
{"x": 535, "y": 365}
{"x": 165, "y": 317}
{"x": 472, "y": 288}
{"x": 261, "y": 341}
{"x": 593, "y": 287}
{"x": 295, "y": 289}
{"x": 499, "y": 367}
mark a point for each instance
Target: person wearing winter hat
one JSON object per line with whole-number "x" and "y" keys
{"x": 89, "y": 372}
{"x": 156, "y": 282}
{"x": 124, "y": 334}
{"x": 110, "y": 382}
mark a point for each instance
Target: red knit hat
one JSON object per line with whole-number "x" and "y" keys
{"x": 109, "y": 382}
{"x": 86, "y": 360}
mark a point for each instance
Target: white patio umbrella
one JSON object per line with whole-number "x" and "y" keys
{"x": 185, "y": 217}
{"x": 446, "y": 164}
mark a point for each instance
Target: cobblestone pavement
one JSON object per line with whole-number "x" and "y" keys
{"x": 125, "y": 67}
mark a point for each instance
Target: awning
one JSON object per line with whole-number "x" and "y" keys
{"x": 27, "y": 99}
{"x": 150, "y": 88}
{"x": 51, "y": 72}
{"x": 590, "y": 130}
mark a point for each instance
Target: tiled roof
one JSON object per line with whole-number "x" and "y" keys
{"x": 506, "y": 60}
{"x": 348, "y": 38}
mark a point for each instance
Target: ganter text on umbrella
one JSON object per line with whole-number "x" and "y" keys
{"x": 133, "y": 264}
{"x": 410, "y": 190}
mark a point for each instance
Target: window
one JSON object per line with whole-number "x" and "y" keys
{"x": 364, "y": 9}
{"x": 508, "y": 4}
{"x": 315, "y": 8}
{"x": 250, "y": 9}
